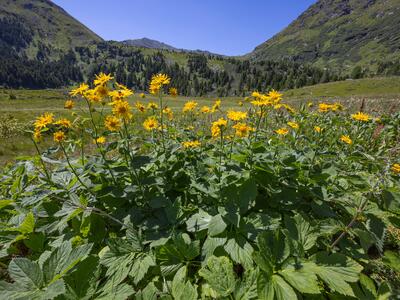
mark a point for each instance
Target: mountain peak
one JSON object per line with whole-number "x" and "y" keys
{"x": 339, "y": 33}
{"x": 149, "y": 43}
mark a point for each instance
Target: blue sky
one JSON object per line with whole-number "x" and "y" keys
{"x": 230, "y": 27}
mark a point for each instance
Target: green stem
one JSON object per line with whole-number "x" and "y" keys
{"x": 73, "y": 169}
{"x": 41, "y": 160}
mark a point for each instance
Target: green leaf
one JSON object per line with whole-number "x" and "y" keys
{"x": 182, "y": 289}
{"x": 216, "y": 226}
{"x": 198, "y": 222}
{"x": 5, "y": 203}
{"x": 28, "y": 225}
{"x": 265, "y": 287}
{"x": 336, "y": 271}
{"x": 141, "y": 267}
{"x": 240, "y": 251}
{"x": 63, "y": 259}
{"x": 283, "y": 290}
{"x": 392, "y": 260}
{"x": 247, "y": 288}
{"x": 301, "y": 278}
{"x": 301, "y": 231}
{"x": 247, "y": 195}
{"x": 26, "y": 273}
{"x": 219, "y": 275}
{"x": 210, "y": 244}
{"x": 273, "y": 250}
{"x": 274, "y": 287}
{"x": 120, "y": 292}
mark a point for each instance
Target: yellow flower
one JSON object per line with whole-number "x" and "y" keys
{"x": 112, "y": 123}
{"x": 191, "y": 144}
{"x": 294, "y": 125}
{"x": 240, "y": 103}
{"x": 140, "y": 107}
{"x": 65, "y": 123}
{"x": 261, "y": 100}
{"x": 289, "y": 108}
{"x": 142, "y": 95}
{"x": 173, "y": 92}
{"x": 360, "y": 116}
{"x": 242, "y": 129}
{"x": 102, "y": 79}
{"x": 282, "y": 131}
{"x": 121, "y": 94}
{"x": 346, "y": 139}
{"x": 157, "y": 81}
{"x": 59, "y": 136}
{"x": 310, "y": 104}
{"x": 150, "y": 124}
{"x": 325, "y": 107}
{"x": 205, "y": 109}
{"x": 100, "y": 140}
{"x": 216, "y": 106}
{"x": 37, "y": 136}
{"x": 44, "y": 120}
{"x": 218, "y": 126}
{"x": 189, "y": 106}
{"x": 100, "y": 92}
{"x": 275, "y": 96}
{"x": 169, "y": 113}
{"x": 317, "y": 129}
{"x": 122, "y": 109}
{"x": 236, "y": 115}
{"x": 69, "y": 104}
{"x": 80, "y": 90}
{"x": 152, "y": 105}
{"x": 396, "y": 168}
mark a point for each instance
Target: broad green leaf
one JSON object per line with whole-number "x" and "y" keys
{"x": 182, "y": 289}
{"x": 63, "y": 259}
{"x": 141, "y": 267}
{"x": 247, "y": 288}
{"x": 219, "y": 275}
{"x": 273, "y": 246}
{"x": 283, "y": 290}
{"x": 392, "y": 260}
{"x": 265, "y": 287}
{"x": 210, "y": 244}
{"x": 216, "y": 226}
{"x": 198, "y": 222}
{"x": 26, "y": 273}
{"x": 121, "y": 292}
{"x": 5, "y": 203}
{"x": 301, "y": 278}
{"x": 336, "y": 270}
{"x": 28, "y": 225}
{"x": 240, "y": 251}
{"x": 301, "y": 231}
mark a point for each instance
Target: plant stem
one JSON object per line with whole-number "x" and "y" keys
{"x": 41, "y": 160}
{"x": 73, "y": 169}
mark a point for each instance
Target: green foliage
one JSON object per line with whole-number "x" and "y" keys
{"x": 266, "y": 216}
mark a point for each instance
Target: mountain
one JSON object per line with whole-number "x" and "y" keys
{"x": 40, "y": 27}
{"x": 149, "y": 43}
{"x": 340, "y": 34}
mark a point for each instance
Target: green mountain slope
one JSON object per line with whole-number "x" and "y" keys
{"x": 339, "y": 33}
{"x": 45, "y": 27}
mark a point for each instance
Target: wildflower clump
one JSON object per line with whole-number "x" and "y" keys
{"x": 224, "y": 201}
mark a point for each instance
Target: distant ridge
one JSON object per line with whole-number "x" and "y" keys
{"x": 153, "y": 44}
{"x": 149, "y": 43}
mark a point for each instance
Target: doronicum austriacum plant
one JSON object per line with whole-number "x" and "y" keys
{"x": 265, "y": 202}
